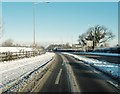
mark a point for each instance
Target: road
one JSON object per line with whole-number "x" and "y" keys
{"x": 57, "y": 82}
{"x": 87, "y": 79}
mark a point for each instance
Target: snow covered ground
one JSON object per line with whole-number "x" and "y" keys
{"x": 12, "y": 70}
{"x": 107, "y": 67}
{"x": 14, "y": 49}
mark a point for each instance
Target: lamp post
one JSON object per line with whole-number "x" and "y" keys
{"x": 34, "y": 26}
{"x": 34, "y": 29}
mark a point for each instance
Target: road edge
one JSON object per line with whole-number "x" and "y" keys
{"x": 71, "y": 78}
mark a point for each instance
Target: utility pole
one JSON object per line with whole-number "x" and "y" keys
{"x": 34, "y": 26}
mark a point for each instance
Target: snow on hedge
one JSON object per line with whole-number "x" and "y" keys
{"x": 107, "y": 67}
{"x": 11, "y": 70}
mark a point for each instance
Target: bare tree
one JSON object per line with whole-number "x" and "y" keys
{"x": 8, "y": 43}
{"x": 82, "y": 40}
{"x": 40, "y": 47}
{"x": 98, "y": 34}
{"x": 66, "y": 46}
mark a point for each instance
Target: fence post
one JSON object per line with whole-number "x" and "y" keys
{"x": 25, "y": 54}
{"x": 0, "y": 57}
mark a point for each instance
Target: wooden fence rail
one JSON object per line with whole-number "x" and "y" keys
{"x": 6, "y": 56}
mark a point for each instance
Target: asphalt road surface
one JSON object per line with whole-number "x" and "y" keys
{"x": 57, "y": 82}
{"x": 87, "y": 79}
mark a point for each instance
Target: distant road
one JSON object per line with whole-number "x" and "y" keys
{"x": 111, "y": 59}
{"x": 87, "y": 79}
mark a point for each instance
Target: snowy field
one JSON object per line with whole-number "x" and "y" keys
{"x": 14, "y": 49}
{"x": 12, "y": 70}
{"x": 107, "y": 67}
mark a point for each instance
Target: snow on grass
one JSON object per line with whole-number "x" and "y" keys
{"x": 14, "y": 49}
{"x": 107, "y": 67}
{"x": 11, "y": 70}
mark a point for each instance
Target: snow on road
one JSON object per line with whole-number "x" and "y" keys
{"x": 11, "y": 70}
{"x": 107, "y": 67}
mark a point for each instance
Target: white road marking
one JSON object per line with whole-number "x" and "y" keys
{"x": 73, "y": 82}
{"x": 63, "y": 63}
{"x": 58, "y": 77}
{"x": 116, "y": 85}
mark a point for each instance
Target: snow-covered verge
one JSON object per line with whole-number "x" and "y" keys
{"x": 98, "y": 53}
{"x": 106, "y": 67}
{"x": 13, "y": 70}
